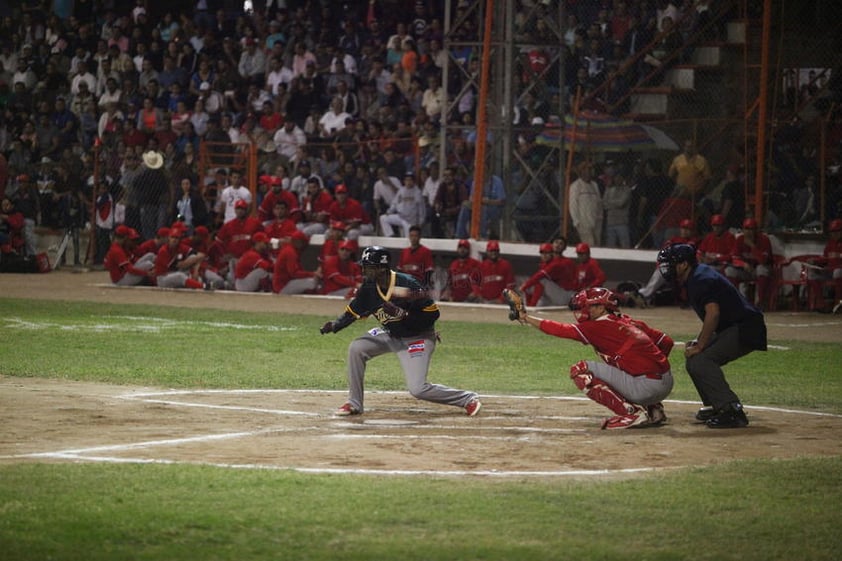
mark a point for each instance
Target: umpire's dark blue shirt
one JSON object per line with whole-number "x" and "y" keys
{"x": 706, "y": 285}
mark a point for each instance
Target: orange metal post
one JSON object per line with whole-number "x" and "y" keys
{"x": 479, "y": 156}
{"x": 760, "y": 167}
{"x": 565, "y": 222}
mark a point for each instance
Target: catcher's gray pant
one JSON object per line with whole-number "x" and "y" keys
{"x": 300, "y": 286}
{"x": 636, "y": 389}
{"x": 553, "y": 294}
{"x": 145, "y": 263}
{"x": 705, "y": 368}
{"x": 414, "y": 354}
{"x": 251, "y": 282}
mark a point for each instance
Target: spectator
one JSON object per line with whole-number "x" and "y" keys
{"x": 153, "y": 193}
{"x": 493, "y": 200}
{"x": 449, "y": 201}
{"x": 407, "y": 208}
{"x": 616, "y": 201}
{"x": 645, "y": 296}
{"x": 230, "y": 195}
{"x": 690, "y": 170}
{"x": 733, "y": 208}
{"x": 189, "y": 208}
{"x": 654, "y": 189}
{"x": 289, "y": 139}
{"x": 586, "y": 207}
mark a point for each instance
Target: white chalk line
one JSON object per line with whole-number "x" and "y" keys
{"x": 87, "y": 454}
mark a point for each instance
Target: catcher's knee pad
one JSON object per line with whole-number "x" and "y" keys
{"x": 581, "y": 375}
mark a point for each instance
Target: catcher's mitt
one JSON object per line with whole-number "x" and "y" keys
{"x": 517, "y": 307}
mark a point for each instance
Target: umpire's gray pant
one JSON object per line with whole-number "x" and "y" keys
{"x": 414, "y": 353}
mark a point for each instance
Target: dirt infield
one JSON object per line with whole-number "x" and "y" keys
{"x": 54, "y": 420}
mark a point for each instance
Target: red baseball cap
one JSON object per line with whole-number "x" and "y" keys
{"x": 299, "y": 235}
{"x": 241, "y": 204}
{"x": 545, "y": 248}
{"x": 201, "y": 231}
{"x": 337, "y": 224}
{"x": 464, "y": 243}
{"x": 340, "y": 189}
{"x": 686, "y": 223}
{"x": 493, "y": 245}
{"x": 163, "y": 232}
{"x": 259, "y": 237}
{"x": 122, "y": 230}
{"x": 717, "y": 220}
{"x": 749, "y": 224}
{"x": 134, "y": 234}
{"x": 583, "y": 248}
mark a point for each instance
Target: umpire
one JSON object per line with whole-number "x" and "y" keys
{"x": 731, "y": 328}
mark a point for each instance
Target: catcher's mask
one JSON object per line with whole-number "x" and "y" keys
{"x": 584, "y": 299}
{"x": 672, "y": 255}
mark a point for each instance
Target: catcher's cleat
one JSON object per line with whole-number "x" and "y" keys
{"x": 635, "y": 419}
{"x": 347, "y": 410}
{"x": 473, "y": 407}
{"x": 656, "y": 414}
{"x": 731, "y": 416}
{"x": 704, "y": 414}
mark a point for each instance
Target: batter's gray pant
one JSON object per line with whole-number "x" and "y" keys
{"x": 414, "y": 354}
{"x": 636, "y": 389}
{"x": 705, "y": 368}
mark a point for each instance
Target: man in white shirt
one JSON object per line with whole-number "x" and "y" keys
{"x": 385, "y": 189}
{"x": 407, "y": 209}
{"x": 234, "y": 192}
{"x": 278, "y": 74}
{"x": 288, "y": 139}
{"x": 430, "y": 190}
{"x": 334, "y": 120}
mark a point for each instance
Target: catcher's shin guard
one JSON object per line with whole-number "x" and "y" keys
{"x": 599, "y": 391}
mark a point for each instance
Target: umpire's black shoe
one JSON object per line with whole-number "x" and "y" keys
{"x": 731, "y": 416}
{"x": 706, "y": 413}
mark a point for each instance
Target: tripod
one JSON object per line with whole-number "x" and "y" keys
{"x": 61, "y": 247}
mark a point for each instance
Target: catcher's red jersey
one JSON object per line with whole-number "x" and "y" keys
{"x": 620, "y": 341}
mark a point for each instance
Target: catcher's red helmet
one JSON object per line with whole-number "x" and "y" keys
{"x": 597, "y": 296}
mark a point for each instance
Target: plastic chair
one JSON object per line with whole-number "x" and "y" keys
{"x": 780, "y": 281}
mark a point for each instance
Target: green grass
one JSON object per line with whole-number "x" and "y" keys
{"x": 763, "y": 510}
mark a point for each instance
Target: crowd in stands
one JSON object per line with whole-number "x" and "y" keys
{"x": 107, "y": 107}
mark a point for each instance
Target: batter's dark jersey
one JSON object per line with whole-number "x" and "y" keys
{"x": 707, "y": 285}
{"x": 421, "y": 315}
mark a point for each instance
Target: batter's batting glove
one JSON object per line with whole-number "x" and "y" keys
{"x": 326, "y": 328}
{"x": 517, "y": 307}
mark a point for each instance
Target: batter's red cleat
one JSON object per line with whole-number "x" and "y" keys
{"x": 347, "y": 410}
{"x": 473, "y": 407}
{"x": 635, "y": 419}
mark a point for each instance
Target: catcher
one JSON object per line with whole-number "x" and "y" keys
{"x": 634, "y": 374}
{"x": 407, "y": 317}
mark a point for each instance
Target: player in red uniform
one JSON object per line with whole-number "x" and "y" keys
{"x": 333, "y": 237}
{"x": 831, "y": 264}
{"x": 350, "y": 211}
{"x": 417, "y": 259}
{"x": 588, "y": 272}
{"x": 554, "y": 282}
{"x": 276, "y": 193}
{"x": 634, "y": 376}
{"x": 342, "y": 275}
{"x": 752, "y": 260}
{"x": 235, "y": 234}
{"x": 717, "y": 247}
{"x": 120, "y": 263}
{"x": 151, "y": 246}
{"x": 176, "y": 263}
{"x": 254, "y": 269}
{"x": 495, "y": 275}
{"x": 463, "y": 275}
{"x": 290, "y": 276}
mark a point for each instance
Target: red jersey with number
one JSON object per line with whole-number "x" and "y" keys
{"x": 338, "y": 274}
{"x": 250, "y": 261}
{"x": 235, "y": 234}
{"x": 627, "y": 344}
{"x": 495, "y": 276}
{"x": 465, "y": 277}
{"x": 416, "y": 261}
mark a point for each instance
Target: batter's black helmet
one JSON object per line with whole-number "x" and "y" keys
{"x": 377, "y": 256}
{"x": 672, "y": 255}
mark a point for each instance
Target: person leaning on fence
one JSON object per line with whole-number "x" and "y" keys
{"x": 120, "y": 263}
{"x": 253, "y": 272}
